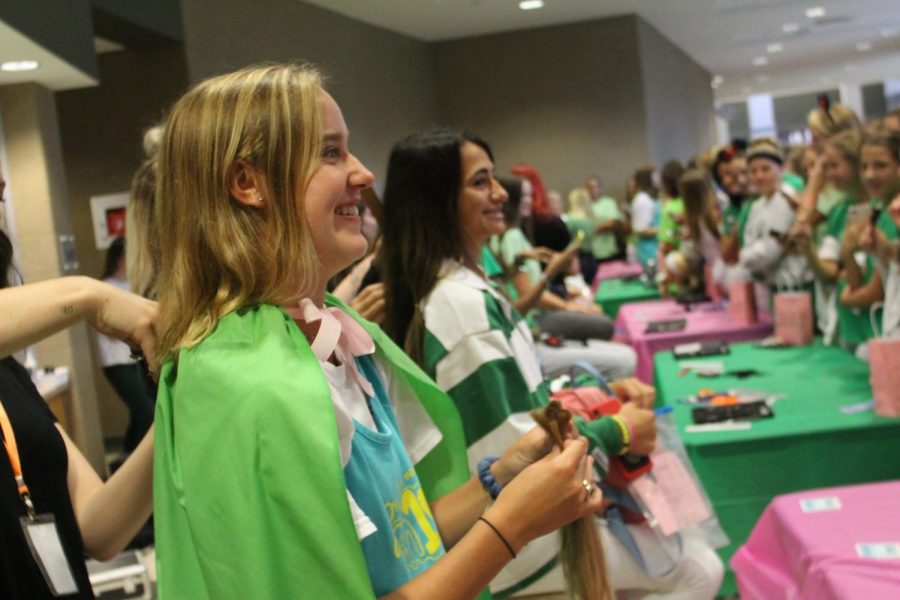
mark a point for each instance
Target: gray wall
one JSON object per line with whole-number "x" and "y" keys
{"x": 566, "y": 99}
{"x": 677, "y": 98}
{"x": 382, "y": 80}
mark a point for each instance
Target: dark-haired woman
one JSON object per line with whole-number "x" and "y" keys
{"x": 442, "y": 203}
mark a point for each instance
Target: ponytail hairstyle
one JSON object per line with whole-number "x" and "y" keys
{"x": 828, "y": 119}
{"x": 217, "y": 255}
{"x": 699, "y": 203}
{"x": 421, "y": 227}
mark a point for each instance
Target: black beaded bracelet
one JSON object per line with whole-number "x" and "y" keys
{"x": 487, "y": 479}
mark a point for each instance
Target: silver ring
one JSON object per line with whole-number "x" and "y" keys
{"x": 588, "y": 488}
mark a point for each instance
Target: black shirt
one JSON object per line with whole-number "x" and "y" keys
{"x": 551, "y": 232}
{"x": 44, "y": 467}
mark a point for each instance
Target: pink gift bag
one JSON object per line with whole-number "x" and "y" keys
{"x": 742, "y": 303}
{"x": 794, "y": 318}
{"x": 884, "y": 375}
{"x": 884, "y": 371}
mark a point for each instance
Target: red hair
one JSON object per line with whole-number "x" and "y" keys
{"x": 540, "y": 206}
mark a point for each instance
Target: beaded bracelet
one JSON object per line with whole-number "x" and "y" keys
{"x": 487, "y": 479}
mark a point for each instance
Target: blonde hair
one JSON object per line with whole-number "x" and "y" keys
{"x": 140, "y": 222}
{"x": 217, "y": 255}
{"x": 579, "y": 203}
{"x": 838, "y": 118}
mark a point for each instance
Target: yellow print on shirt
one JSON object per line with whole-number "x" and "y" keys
{"x": 416, "y": 539}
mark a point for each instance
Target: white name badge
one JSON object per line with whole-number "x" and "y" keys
{"x": 46, "y": 548}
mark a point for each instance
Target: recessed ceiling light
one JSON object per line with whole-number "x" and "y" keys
{"x": 864, "y": 46}
{"x": 815, "y": 12}
{"x": 773, "y": 48}
{"x": 760, "y": 61}
{"x": 19, "y": 65}
{"x": 531, "y": 4}
{"x": 790, "y": 28}
{"x": 716, "y": 81}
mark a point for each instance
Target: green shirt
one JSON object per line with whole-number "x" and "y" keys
{"x": 603, "y": 245}
{"x": 669, "y": 229}
{"x": 793, "y": 180}
{"x": 507, "y": 248}
{"x": 853, "y": 324}
{"x": 480, "y": 351}
{"x": 737, "y": 217}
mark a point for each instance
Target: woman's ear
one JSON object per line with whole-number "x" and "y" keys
{"x": 244, "y": 185}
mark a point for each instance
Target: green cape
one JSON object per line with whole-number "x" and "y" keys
{"x": 250, "y": 417}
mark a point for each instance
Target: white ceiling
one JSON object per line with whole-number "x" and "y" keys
{"x": 724, "y": 36}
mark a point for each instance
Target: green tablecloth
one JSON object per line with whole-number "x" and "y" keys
{"x": 810, "y": 443}
{"x": 613, "y": 293}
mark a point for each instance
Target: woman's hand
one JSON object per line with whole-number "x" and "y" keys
{"x": 643, "y": 428}
{"x": 547, "y": 495}
{"x": 124, "y": 316}
{"x": 634, "y": 391}
{"x": 529, "y": 448}
{"x": 370, "y": 303}
{"x": 560, "y": 261}
{"x": 538, "y": 253}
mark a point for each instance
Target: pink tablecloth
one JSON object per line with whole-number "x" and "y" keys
{"x": 705, "y": 322}
{"x": 615, "y": 269}
{"x": 813, "y": 555}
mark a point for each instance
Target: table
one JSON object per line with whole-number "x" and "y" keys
{"x": 705, "y": 322}
{"x": 612, "y": 294}
{"x": 810, "y": 443}
{"x": 615, "y": 269}
{"x": 805, "y": 546}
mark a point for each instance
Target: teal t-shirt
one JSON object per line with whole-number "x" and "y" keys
{"x": 383, "y": 482}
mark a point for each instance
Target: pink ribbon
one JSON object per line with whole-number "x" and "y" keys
{"x": 339, "y": 334}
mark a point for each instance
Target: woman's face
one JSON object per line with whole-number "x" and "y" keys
{"x": 527, "y": 199}
{"x": 838, "y": 170}
{"x": 481, "y": 197}
{"x": 734, "y": 176}
{"x": 879, "y": 170}
{"x": 333, "y": 195}
{"x": 765, "y": 175}
{"x": 554, "y": 204}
